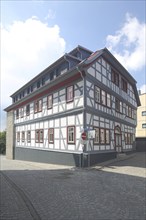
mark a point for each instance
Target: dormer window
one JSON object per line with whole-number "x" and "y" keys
{"x": 38, "y": 84}
{"x": 51, "y": 76}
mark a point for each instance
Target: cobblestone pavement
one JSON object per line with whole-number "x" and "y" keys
{"x": 115, "y": 190}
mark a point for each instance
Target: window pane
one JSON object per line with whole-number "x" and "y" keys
{"x": 28, "y": 136}
{"x": 28, "y": 109}
{"x": 108, "y": 100}
{"x": 97, "y": 94}
{"x": 18, "y": 136}
{"x": 51, "y": 135}
{"x": 96, "y": 140}
{"x": 69, "y": 93}
{"x": 143, "y": 125}
{"x": 41, "y": 135}
{"x": 50, "y": 101}
{"x": 102, "y": 136}
{"x": 40, "y": 105}
{"x": 37, "y": 136}
{"x": 144, "y": 113}
{"x": 107, "y": 137}
{"x": 103, "y": 98}
{"x": 71, "y": 138}
{"x": 23, "y": 136}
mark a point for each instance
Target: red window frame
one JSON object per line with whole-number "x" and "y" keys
{"x": 74, "y": 135}
{"x": 70, "y": 94}
{"x": 50, "y": 102}
{"x": 28, "y": 136}
{"x": 39, "y": 136}
{"x": 49, "y": 133}
{"x": 37, "y": 105}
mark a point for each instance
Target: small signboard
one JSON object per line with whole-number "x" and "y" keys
{"x": 91, "y": 134}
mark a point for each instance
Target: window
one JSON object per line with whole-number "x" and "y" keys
{"x": 108, "y": 98}
{"x": 28, "y": 136}
{"x": 144, "y": 113}
{"x": 18, "y": 136}
{"x": 38, "y": 84}
{"x": 43, "y": 80}
{"x": 31, "y": 88}
{"x": 22, "y": 112}
{"x": 28, "y": 90}
{"x": 69, "y": 93}
{"x": 28, "y": 109}
{"x": 39, "y": 136}
{"x": 107, "y": 138}
{"x": 129, "y": 138}
{"x": 50, "y": 101}
{"x": 124, "y": 85}
{"x": 38, "y": 106}
{"x": 97, "y": 94}
{"x": 23, "y": 136}
{"x": 51, "y": 76}
{"x": 51, "y": 135}
{"x": 117, "y": 105}
{"x": 102, "y": 136}
{"x": 96, "y": 140}
{"x": 115, "y": 78}
{"x": 71, "y": 135}
{"x": 103, "y": 97}
{"x": 144, "y": 125}
{"x": 17, "y": 113}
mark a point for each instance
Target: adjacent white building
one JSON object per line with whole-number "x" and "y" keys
{"x": 81, "y": 91}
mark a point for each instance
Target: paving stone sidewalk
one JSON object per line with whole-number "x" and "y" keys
{"x": 113, "y": 190}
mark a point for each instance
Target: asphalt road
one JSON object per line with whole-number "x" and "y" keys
{"x": 110, "y": 191}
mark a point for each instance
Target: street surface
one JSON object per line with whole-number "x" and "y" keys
{"x": 114, "y": 190}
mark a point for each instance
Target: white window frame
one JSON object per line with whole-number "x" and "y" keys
{"x": 71, "y": 133}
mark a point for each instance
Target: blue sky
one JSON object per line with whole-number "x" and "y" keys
{"x": 36, "y": 33}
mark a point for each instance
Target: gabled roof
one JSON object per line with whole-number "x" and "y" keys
{"x": 105, "y": 53}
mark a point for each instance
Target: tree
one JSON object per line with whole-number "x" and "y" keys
{"x": 3, "y": 142}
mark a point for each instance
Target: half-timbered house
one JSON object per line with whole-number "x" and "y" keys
{"x": 81, "y": 91}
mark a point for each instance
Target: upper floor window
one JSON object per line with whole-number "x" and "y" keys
{"x": 118, "y": 105}
{"x": 97, "y": 94}
{"x": 43, "y": 80}
{"x": 38, "y": 84}
{"x": 144, "y": 125}
{"x": 39, "y": 136}
{"x": 71, "y": 135}
{"x": 28, "y": 90}
{"x": 115, "y": 77}
{"x": 28, "y": 109}
{"x": 51, "y": 76}
{"x": 21, "y": 112}
{"x": 69, "y": 94}
{"x": 51, "y": 135}
{"x": 143, "y": 113}
{"x": 102, "y": 97}
{"x": 31, "y": 88}
{"x": 50, "y": 101}
{"x": 17, "y": 113}
{"x": 38, "y": 106}
{"x": 124, "y": 85}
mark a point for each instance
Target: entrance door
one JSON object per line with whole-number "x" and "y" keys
{"x": 118, "y": 139}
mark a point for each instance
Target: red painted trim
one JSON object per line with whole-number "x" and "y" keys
{"x": 47, "y": 91}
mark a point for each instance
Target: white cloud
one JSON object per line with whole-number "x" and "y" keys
{"x": 27, "y": 47}
{"x": 128, "y": 44}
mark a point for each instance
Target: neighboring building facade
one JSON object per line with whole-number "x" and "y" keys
{"x": 80, "y": 91}
{"x": 141, "y": 124}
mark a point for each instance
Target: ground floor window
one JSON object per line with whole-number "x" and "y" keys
{"x": 71, "y": 134}
{"x": 129, "y": 138}
{"x": 39, "y": 136}
{"x": 28, "y": 136}
{"x": 18, "y": 136}
{"x": 51, "y": 135}
{"x": 23, "y": 136}
{"x": 102, "y": 136}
